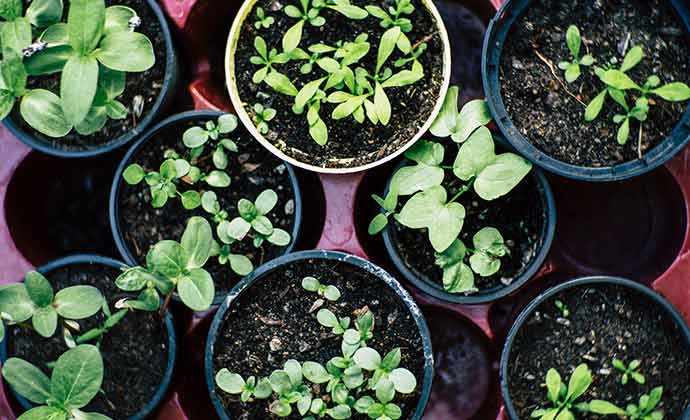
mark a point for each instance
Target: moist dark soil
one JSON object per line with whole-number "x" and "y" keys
{"x": 350, "y": 143}
{"x": 520, "y": 216}
{"x": 135, "y": 351}
{"x": 147, "y": 85}
{"x": 252, "y": 170}
{"x": 605, "y": 322}
{"x": 549, "y": 117}
{"x": 275, "y": 311}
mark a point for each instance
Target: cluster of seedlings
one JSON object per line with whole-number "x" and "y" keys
{"x": 476, "y": 167}
{"x": 634, "y": 99}
{"x": 179, "y": 177}
{"x": 340, "y": 75}
{"x": 359, "y": 380}
{"x": 92, "y": 52}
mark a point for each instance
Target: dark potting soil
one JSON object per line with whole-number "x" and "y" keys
{"x": 147, "y": 85}
{"x": 135, "y": 351}
{"x": 275, "y": 312}
{"x": 552, "y": 120}
{"x": 349, "y": 143}
{"x": 520, "y": 216}
{"x": 252, "y": 170}
{"x": 605, "y": 322}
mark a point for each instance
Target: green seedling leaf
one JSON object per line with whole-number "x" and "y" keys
{"x": 501, "y": 176}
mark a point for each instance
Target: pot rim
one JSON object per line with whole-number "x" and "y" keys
{"x": 494, "y": 40}
{"x": 276, "y": 264}
{"x": 231, "y": 83}
{"x": 548, "y": 230}
{"x": 113, "y": 208}
{"x": 577, "y": 282}
{"x": 169, "y": 80}
{"x": 169, "y": 326}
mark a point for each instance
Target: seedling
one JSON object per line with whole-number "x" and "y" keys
{"x": 344, "y": 376}
{"x": 262, "y": 20}
{"x": 93, "y": 52}
{"x": 329, "y": 320}
{"x": 35, "y": 300}
{"x": 262, "y": 116}
{"x": 631, "y": 370}
{"x": 478, "y": 168}
{"x": 76, "y": 379}
{"x": 572, "y": 68}
{"x": 173, "y": 266}
{"x": 330, "y": 292}
{"x": 562, "y": 308}
{"x": 402, "y": 7}
{"x": 110, "y": 321}
{"x": 563, "y": 398}
{"x": 645, "y": 409}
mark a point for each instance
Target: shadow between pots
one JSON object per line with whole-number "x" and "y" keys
{"x": 632, "y": 228}
{"x": 56, "y": 207}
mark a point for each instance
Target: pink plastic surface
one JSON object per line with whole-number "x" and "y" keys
{"x": 202, "y": 26}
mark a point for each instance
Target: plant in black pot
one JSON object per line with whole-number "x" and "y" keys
{"x": 590, "y": 90}
{"x": 319, "y": 334}
{"x": 87, "y": 84}
{"x": 203, "y": 165}
{"x": 342, "y": 77}
{"x": 71, "y": 309}
{"x": 468, "y": 227}
{"x": 621, "y": 351}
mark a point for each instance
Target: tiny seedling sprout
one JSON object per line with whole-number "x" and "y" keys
{"x": 631, "y": 370}
{"x": 572, "y": 68}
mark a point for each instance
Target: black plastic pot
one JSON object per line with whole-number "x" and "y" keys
{"x": 122, "y": 247}
{"x": 495, "y": 39}
{"x": 168, "y": 90}
{"x": 432, "y": 288}
{"x": 534, "y": 305}
{"x": 339, "y": 257}
{"x": 172, "y": 340}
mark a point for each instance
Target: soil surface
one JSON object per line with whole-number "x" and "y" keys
{"x": 276, "y": 310}
{"x": 135, "y": 351}
{"x": 605, "y": 322}
{"x": 252, "y": 169}
{"x": 549, "y": 117}
{"x": 146, "y": 85}
{"x": 520, "y": 216}
{"x": 350, "y": 143}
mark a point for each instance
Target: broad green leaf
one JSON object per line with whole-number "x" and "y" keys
{"x": 38, "y": 288}
{"x": 27, "y": 380}
{"x": 346, "y": 108}
{"x": 43, "y": 13}
{"x": 126, "y": 51}
{"x": 266, "y": 201}
{"x": 240, "y": 264}
{"x": 367, "y": 358}
{"x": 196, "y": 289}
{"x": 403, "y": 380}
{"x": 78, "y": 86}
{"x": 168, "y": 258}
{"x": 6, "y": 104}
{"x": 386, "y": 46}
{"x": 231, "y": 383}
{"x": 605, "y": 408}
{"x": 293, "y": 36}
{"x": 623, "y": 132}
{"x": 196, "y": 241}
{"x": 218, "y": 179}
{"x": 382, "y": 104}
{"x": 10, "y": 9}
{"x": 44, "y": 321}
{"x": 280, "y": 408}
{"x": 553, "y": 385}
{"x": 580, "y": 380}
{"x": 56, "y": 34}
{"x": 472, "y": 116}
{"x": 190, "y": 200}
{"x": 279, "y": 237}
{"x": 85, "y": 21}
{"x": 572, "y": 72}
{"x": 427, "y": 152}
{"x": 619, "y": 80}
{"x": 594, "y": 107}
{"x": 117, "y": 18}
{"x": 474, "y": 155}
{"x": 405, "y": 77}
{"x": 227, "y": 123}
{"x": 194, "y": 137}
{"x": 484, "y": 264}
{"x": 42, "y": 110}
{"x": 501, "y": 176}
{"x": 315, "y": 373}
{"x": 44, "y": 413}
{"x": 573, "y": 40}
{"x": 78, "y": 302}
{"x": 632, "y": 58}
{"x": 446, "y": 121}
{"x": 134, "y": 279}
{"x": 238, "y": 228}
{"x": 385, "y": 391}
{"x": 422, "y": 208}
{"x": 349, "y": 10}
{"x": 262, "y": 225}
{"x": 93, "y": 122}
{"x": 410, "y": 179}
{"x": 280, "y": 382}
{"x": 13, "y": 74}
{"x": 377, "y": 224}
{"x": 49, "y": 61}
{"x": 15, "y": 35}
{"x": 77, "y": 376}
{"x": 112, "y": 82}
{"x": 458, "y": 278}
{"x": 307, "y": 92}
{"x": 280, "y": 83}
{"x": 675, "y": 92}
{"x": 446, "y": 226}
{"x": 15, "y": 301}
